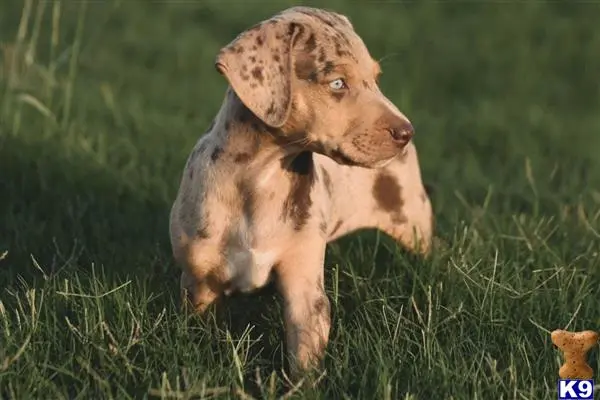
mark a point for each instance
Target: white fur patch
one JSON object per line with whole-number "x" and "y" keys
{"x": 249, "y": 269}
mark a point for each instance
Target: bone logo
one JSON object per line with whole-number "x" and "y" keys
{"x": 576, "y": 381}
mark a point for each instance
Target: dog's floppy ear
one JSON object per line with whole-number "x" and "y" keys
{"x": 258, "y": 65}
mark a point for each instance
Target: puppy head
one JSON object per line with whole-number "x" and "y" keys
{"x": 307, "y": 73}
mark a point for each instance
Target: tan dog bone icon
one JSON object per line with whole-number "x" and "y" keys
{"x": 575, "y": 346}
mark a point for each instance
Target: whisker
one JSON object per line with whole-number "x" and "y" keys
{"x": 387, "y": 56}
{"x": 303, "y": 142}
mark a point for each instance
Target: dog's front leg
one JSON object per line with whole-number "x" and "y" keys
{"x": 306, "y": 306}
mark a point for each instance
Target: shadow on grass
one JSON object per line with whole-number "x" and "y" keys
{"x": 60, "y": 207}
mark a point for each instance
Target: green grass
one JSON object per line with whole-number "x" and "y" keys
{"x": 100, "y": 106}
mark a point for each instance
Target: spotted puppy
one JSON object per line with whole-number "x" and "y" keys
{"x": 304, "y": 149}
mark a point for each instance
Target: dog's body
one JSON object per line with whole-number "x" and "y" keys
{"x": 262, "y": 195}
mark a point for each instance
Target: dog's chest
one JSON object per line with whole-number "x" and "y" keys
{"x": 256, "y": 237}
{"x": 272, "y": 206}
{"x": 251, "y": 252}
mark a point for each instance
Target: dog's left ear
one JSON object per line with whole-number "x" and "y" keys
{"x": 258, "y": 65}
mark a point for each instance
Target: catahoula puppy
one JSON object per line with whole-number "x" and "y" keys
{"x": 305, "y": 148}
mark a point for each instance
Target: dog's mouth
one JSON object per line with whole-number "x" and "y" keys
{"x": 344, "y": 159}
{"x": 341, "y": 158}
{"x": 351, "y": 158}
{"x": 336, "y": 154}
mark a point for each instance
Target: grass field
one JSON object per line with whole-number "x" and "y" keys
{"x": 101, "y": 104}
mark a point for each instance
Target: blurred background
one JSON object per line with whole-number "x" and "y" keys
{"x": 102, "y": 101}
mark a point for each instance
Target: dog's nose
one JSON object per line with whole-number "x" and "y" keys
{"x": 402, "y": 132}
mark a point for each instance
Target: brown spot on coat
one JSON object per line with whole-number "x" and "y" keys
{"x": 202, "y": 232}
{"x": 292, "y": 27}
{"x": 311, "y": 43}
{"x": 248, "y": 197}
{"x": 216, "y": 153}
{"x": 257, "y": 73}
{"x": 387, "y": 193}
{"x": 298, "y": 202}
{"x": 256, "y": 126}
{"x": 328, "y": 68}
{"x": 242, "y": 158}
{"x": 338, "y": 49}
{"x": 321, "y": 305}
{"x": 244, "y": 114}
{"x": 327, "y": 181}
{"x": 341, "y": 36}
{"x": 305, "y": 68}
{"x": 336, "y": 227}
{"x": 323, "y": 227}
{"x": 322, "y": 54}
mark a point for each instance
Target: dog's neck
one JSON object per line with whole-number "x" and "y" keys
{"x": 245, "y": 138}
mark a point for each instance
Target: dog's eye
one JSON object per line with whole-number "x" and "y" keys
{"x": 338, "y": 84}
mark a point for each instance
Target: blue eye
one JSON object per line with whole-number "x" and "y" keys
{"x": 337, "y": 84}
